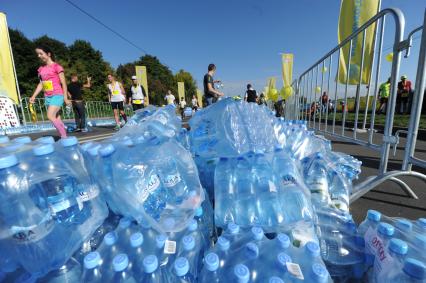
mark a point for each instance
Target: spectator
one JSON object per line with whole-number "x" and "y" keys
{"x": 251, "y": 94}
{"x": 170, "y": 98}
{"x": 194, "y": 103}
{"x": 210, "y": 94}
{"x": 262, "y": 100}
{"x": 53, "y": 84}
{"x": 384, "y": 91}
{"x": 324, "y": 101}
{"x": 116, "y": 96}
{"x": 138, "y": 94}
{"x": 404, "y": 94}
{"x": 74, "y": 92}
{"x": 182, "y": 105}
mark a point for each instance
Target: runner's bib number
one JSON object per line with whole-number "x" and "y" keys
{"x": 137, "y": 101}
{"x": 115, "y": 92}
{"x": 47, "y": 85}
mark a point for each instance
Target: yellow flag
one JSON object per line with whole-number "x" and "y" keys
{"x": 142, "y": 76}
{"x": 200, "y": 98}
{"x": 7, "y": 69}
{"x": 181, "y": 90}
{"x": 287, "y": 69}
{"x": 353, "y": 14}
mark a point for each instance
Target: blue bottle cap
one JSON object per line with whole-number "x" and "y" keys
{"x": 312, "y": 249}
{"x": 223, "y": 243}
{"x": 223, "y": 158}
{"x": 193, "y": 225}
{"x": 421, "y": 222}
{"x": 22, "y": 140}
{"x": 374, "y": 215}
{"x": 43, "y": 149}
{"x": 420, "y": 241}
{"x": 94, "y": 149}
{"x": 275, "y": 279}
{"x": 85, "y": 146}
{"x": 211, "y": 260}
{"x": 386, "y": 229}
{"x": 283, "y": 258}
{"x": 181, "y": 266}
{"x": 242, "y": 273}
{"x": 252, "y": 250}
{"x": 403, "y": 225}
{"x": 91, "y": 260}
{"x": 257, "y": 233}
{"x": 398, "y": 246}
{"x": 150, "y": 263}
{"x": 110, "y": 238}
{"x": 414, "y": 268}
{"x": 106, "y": 150}
{"x": 120, "y": 262}
{"x": 4, "y": 139}
{"x": 124, "y": 223}
{"x": 69, "y": 141}
{"x": 319, "y": 272}
{"x": 188, "y": 242}
{"x": 7, "y": 161}
{"x": 160, "y": 240}
{"x": 283, "y": 240}
{"x": 46, "y": 140}
{"x": 233, "y": 228}
{"x": 136, "y": 239}
{"x": 199, "y": 211}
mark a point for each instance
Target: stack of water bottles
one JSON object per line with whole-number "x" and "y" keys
{"x": 49, "y": 206}
{"x": 247, "y": 255}
{"x": 394, "y": 248}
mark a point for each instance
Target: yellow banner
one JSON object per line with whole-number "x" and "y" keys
{"x": 7, "y": 69}
{"x": 353, "y": 14}
{"x": 200, "y": 98}
{"x": 181, "y": 90}
{"x": 287, "y": 69}
{"x": 142, "y": 76}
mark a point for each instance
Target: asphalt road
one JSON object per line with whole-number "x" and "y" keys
{"x": 388, "y": 197}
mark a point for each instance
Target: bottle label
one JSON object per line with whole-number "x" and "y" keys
{"x": 295, "y": 270}
{"x": 375, "y": 245}
{"x": 170, "y": 247}
{"x": 172, "y": 180}
{"x": 86, "y": 195}
{"x": 32, "y": 233}
{"x": 152, "y": 185}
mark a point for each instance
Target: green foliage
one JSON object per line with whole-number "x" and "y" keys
{"x": 82, "y": 59}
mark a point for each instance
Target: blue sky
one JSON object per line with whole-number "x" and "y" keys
{"x": 242, "y": 37}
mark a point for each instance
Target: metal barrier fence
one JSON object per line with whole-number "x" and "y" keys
{"x": 36, "y": 113}
{"x": 326, "y": 119}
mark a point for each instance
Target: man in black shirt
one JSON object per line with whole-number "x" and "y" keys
{"x": 74, "y": 93}
{"x": 210, "y": 93}
{"x": 251, "y": 94}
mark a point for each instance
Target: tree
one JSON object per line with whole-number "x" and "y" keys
{"x": 26, "y": 62}
{"x": 190, "y": 84}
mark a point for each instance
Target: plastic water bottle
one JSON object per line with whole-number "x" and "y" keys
{"x": 385, "y": 231}
{"x": 413, "y": 271}
{"x": 45, "y": 140}
{"x": 397, "y": 251}
{"x": 205, "y": 223}
{"x": 404, "y": 229}
{"x": 92, "y": 272}
{"x": 60, "y": 187}
{"x": 371, "y": 222}
{"x": 241, "y": 273}
{"x": 152, "y": 274}
{"x": 191, "y": 251}
{"x": 69, "y": 272}
{"x": 318, "y": 274}
{"x": 122, "y": 273}
{"x": 124, "y": 230}
{"x": 222, "y": 249}
{"x": 210, "y": 272}
{"x": 136, "y": 253}
{"x": 108, "y": 250}
{"x": 316, "y": 179}
{"x": 160, "y": 241}
{"x": 225, "y": 192}
{"x": 268, "y": 205}
{"x": 232, "y": 232}
{"x": 420, "y": 225}
{"x": 245, "y": 207}
{"x": 182, "y": 271}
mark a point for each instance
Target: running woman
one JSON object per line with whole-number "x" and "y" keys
{"x": 54, "y": 85}
{"x": 116, "y": 95}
